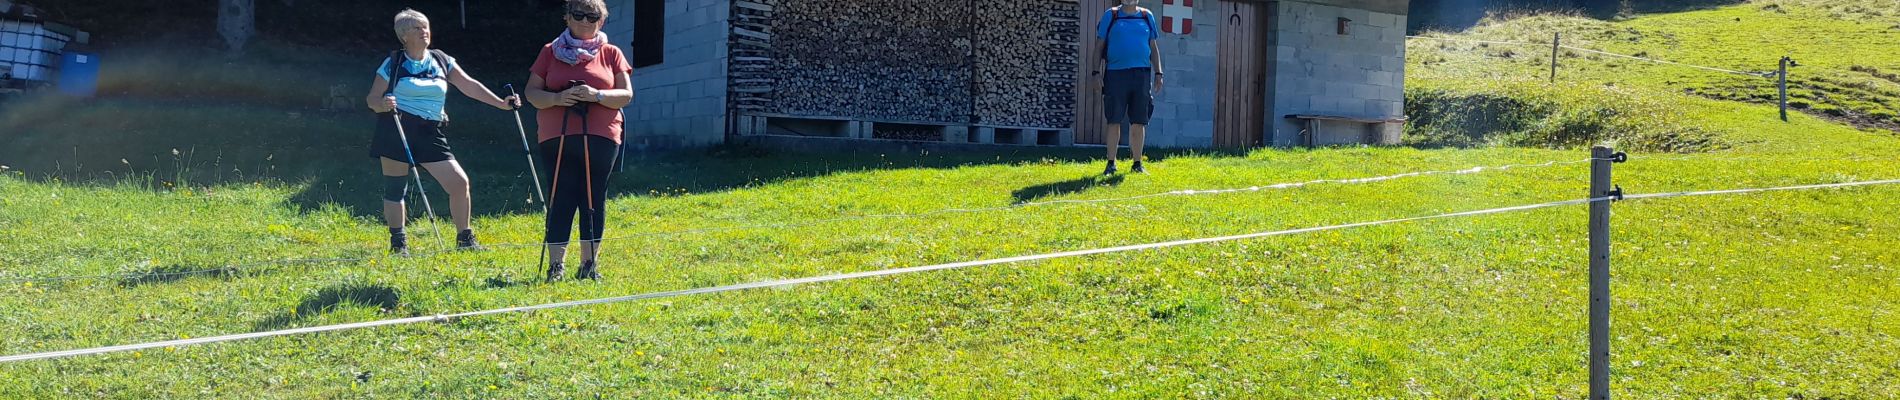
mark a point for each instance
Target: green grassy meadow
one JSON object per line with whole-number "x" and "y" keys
{"x": 1776, "y": 295}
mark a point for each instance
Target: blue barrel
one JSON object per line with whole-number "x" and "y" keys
{"x": 79, "y": 73}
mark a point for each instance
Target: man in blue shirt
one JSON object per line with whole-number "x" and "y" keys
{"x": 1131, "y": 49}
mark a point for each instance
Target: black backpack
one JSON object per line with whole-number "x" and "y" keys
{"x": 397, "y": 72}
{"x": 1117, "y": 14}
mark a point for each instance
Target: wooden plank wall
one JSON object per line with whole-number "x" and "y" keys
{"x": 1088, "y": 91}
{"x": 1241, "y": 70}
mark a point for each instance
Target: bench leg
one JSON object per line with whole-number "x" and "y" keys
{"x": 1312, "y": 133}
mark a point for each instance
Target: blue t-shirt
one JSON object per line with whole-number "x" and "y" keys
{"x": 1128, "y": 48}
{"x": 418, "y": 95}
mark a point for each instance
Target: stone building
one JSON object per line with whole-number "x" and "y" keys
{"x": 1240, "y": 73}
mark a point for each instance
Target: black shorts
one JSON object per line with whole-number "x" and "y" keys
{"x": 1128, "y": 95}
{"x": 426, "y": 139}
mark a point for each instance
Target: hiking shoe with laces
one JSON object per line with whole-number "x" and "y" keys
{"x": 398, "y": 242}
{"x": 466, "y": 241}
{"x": 555, "y": 271}
{"x": 588, "y": 271}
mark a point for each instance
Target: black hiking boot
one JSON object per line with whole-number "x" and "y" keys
{"x": 1110, "y": 170}
{"x": 555, "y": 271}
{"x": 1137, "y": 169}
{"x": 466, "y": 241}
{"x": 398, "y": 242}
{"x": 587, "y": 271}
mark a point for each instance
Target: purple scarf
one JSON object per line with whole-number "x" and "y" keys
{"x": 575, "y": 51}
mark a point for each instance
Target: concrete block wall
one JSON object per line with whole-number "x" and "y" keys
{"x": 1184, "y": 110}
{"x": 1312, "y": 69}
{"x": 681, "y": 101}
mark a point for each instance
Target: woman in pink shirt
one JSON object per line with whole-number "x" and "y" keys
{"x": 579, "y": 83}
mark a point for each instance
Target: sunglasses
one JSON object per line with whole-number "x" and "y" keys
{"x": 584, "y": 16}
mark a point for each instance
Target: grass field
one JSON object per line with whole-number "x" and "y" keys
{"x": 1778, "y": 295}
{"x": 1846, "y": 71}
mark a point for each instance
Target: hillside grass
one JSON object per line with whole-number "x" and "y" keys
{"x": 1779, "y": 295}
{"x": 1846, "y": 70}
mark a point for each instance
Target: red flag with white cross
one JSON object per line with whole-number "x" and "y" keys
{"x": 1177, "y": 16}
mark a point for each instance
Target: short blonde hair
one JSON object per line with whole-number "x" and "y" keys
{"x": 598, "y": 6}
{"x": 407, "y": 19}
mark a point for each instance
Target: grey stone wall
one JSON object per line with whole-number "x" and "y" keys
{"x": 1312, "y": 69}
{"x": 1184, "y": 111}
{"x": 681, "y": 101}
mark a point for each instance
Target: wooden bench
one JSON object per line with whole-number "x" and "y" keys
{"x": 1390, "y": 128}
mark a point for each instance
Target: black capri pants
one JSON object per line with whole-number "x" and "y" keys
{"x": 578, "y": 184}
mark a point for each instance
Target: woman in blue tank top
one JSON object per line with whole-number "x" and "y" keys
{"x": 421, "y": 79}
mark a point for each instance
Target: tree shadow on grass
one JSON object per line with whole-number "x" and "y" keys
{"x": 502, "y": 184}
{"x": 323, "y": 157}
{"x": 179, "y": 272}
{"x": 505, "y": 280}
{"x": 174, "y": 273}
{"x": 329, "y": 299}
{"x": 1072, "y": 186}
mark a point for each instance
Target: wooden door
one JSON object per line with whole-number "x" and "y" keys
{"x": 1088, "y": 89}
{"x": 1241, "y": 86}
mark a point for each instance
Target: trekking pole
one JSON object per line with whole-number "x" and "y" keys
{"x": 587, "y": 165}
{"x": 396, "y": 116}
{"x": 560, "y": 157}
{"x": 528, "y": 151}
{"x": 587, "y": 162}
{"x": 587, "y": 154}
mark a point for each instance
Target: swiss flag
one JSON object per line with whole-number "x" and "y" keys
{"x": 1177, "y": 16}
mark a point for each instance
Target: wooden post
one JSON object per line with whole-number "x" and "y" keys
{"x": 1783, "y": 85}
{"x": 970, "y": 59}
{"x": 1600, "y": 187}
{"x": 1556, "y": 42}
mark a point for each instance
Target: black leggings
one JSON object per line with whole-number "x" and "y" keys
{"x": 577, "y": 174}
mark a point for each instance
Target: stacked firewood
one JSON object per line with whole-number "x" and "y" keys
{"x": 750, "y": 82}
{"x": 907, "y": 132}
{"x": 1026, "y": 63}
{"x": 906, "y": 60}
